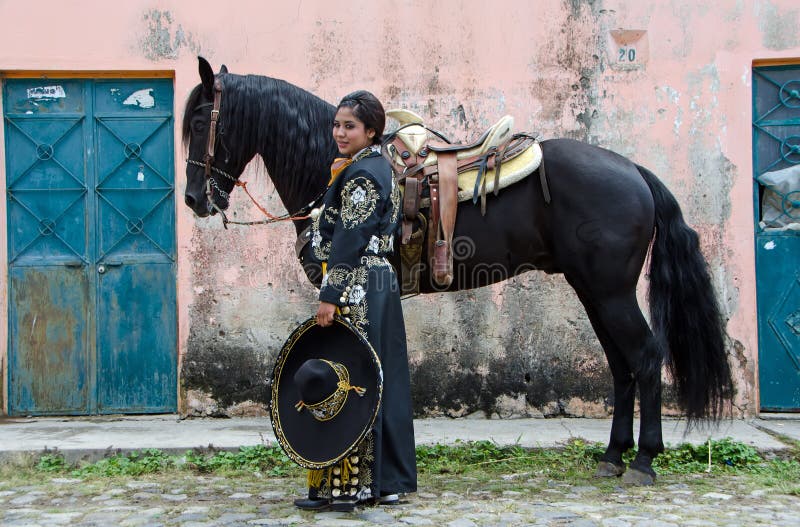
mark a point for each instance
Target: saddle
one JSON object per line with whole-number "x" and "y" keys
{"x": 436, "y": 175}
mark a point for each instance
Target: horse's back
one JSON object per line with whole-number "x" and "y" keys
{"x": 589, "y": 165}
{"x": 595, "y": 180}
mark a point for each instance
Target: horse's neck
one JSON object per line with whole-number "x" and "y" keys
{"x": 297, "y": 146}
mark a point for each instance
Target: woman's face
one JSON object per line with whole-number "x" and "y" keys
{"x": 349, "y": 133}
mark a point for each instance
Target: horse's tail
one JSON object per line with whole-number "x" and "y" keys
{"x": 684, "y": 312}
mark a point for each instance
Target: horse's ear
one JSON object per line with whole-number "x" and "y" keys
{"x": 206, "y": 76}
{"x": 223, "y": 69}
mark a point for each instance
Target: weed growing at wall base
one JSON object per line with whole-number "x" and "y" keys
{"x": 477, "y": 460}
{"x": 265, "y": 459}
{"x": 51, "y": 463}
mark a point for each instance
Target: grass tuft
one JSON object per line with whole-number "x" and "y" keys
{"x": 269, "y": 460}
{"x": 473, "y": 460}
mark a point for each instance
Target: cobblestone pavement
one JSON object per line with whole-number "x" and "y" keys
{"x": 196, "y": 501}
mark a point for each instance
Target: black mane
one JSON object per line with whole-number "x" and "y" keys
{"x": 280, "y": 122}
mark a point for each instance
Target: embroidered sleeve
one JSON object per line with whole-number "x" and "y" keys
{"x": 359, "y": 199}
{"x": 321, "y": 246}
{"x": 362, "y": 204}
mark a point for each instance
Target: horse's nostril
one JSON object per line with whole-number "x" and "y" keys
{"x": 189, "y": 201}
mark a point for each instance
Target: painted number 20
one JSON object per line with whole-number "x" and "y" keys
{"x": 627, "y": 54}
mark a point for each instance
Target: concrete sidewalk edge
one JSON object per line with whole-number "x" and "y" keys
{"x": 97, "y": 437}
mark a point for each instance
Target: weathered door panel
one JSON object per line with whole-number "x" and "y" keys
{"x": 46, "y": 189}
{"x": 50, "y": 354}
{"x": 779, "y": 323}
{"x": 776, "y": 156}
{"x": 137, "y": 370}
{"x": 135, "y": 189}
{"x": 41, "y": 97}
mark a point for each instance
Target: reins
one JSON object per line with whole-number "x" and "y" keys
{"x": 211, "y": 183}
{"x": 300, "y": 215}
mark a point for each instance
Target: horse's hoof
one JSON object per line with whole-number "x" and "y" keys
{"x": 638, "y": 478}
{"x": 606, "y": 469}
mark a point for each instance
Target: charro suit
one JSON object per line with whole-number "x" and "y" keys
{"x": 354, "y": 233}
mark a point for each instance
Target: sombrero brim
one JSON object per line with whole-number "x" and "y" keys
{"x": 317, "y": 444}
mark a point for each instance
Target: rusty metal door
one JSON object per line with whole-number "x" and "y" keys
{"x": 776, "y": 160}
{"x": 91, "y": 246}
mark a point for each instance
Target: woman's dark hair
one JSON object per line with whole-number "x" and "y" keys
{"x": 367, "y": 109}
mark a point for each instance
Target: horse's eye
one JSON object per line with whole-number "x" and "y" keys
{"x": 198, "y": 127}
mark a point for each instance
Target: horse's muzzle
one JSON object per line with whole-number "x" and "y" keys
{"x": 201, "y": 208}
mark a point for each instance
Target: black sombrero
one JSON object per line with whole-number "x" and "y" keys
{"x": 326, "y": 391}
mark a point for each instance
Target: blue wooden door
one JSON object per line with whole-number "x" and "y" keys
{"x": 776, "y": 156}
{"x": 89, "y": 178}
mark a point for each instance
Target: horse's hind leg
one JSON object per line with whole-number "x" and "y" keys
{"x": 627, "y": 327}
{"x": 648, "y": 378}
{"x": 621, "y": 439}
{"x": 634, "y": 358}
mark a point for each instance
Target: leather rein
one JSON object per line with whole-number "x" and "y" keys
{"x": 210, "y": 170}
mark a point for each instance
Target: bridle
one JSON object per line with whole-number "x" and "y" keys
{"x": 208, "y": 157}
{"x": 210, "y": 170}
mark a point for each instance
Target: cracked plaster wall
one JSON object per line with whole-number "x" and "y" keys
{"x": 520, "y": 348}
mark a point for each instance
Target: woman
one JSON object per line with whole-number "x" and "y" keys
{"x": 352, "y": 235}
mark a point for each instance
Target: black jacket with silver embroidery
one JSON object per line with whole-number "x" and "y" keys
{"x": 357, "y": 223}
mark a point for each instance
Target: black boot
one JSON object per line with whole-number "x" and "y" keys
{"x": 344, "y": 505}
{"x": 314, "y": 502}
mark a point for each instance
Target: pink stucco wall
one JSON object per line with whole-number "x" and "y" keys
{"x": 682, "y": 108}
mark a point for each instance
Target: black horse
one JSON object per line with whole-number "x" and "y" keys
{"x": 604, "y": 215}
